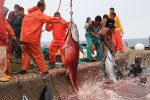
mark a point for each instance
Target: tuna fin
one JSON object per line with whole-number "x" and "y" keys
{"x": 75, "y": 33}
{"x": 64, "y": 47}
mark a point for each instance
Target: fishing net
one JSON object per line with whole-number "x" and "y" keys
{"x": 60, "y": 85}
{"x": 33, "y": 84}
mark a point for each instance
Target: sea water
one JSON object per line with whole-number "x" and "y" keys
{"x": 128, "y": 89}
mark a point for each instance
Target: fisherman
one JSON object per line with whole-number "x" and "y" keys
{"x": 12, "y": 14}
{"x": 16, "y": 25}
{"x": 93, "y": 38}
{"x": 111, "y": 49}
{"x": 106, "y": 36}
{"x": 118, "y": 31}
{"x": 106, "y": 20}
{"x": 30, "y": 37}
{"x": 136, "y": 69}
{"x": 105, "y": 23}
{"x": 88, "y": 20}
{"x": 10, "y": 19}
{"x": 5, "y": 32}
{"x": 5, "y": 9}
{"x": 59, "y": 34}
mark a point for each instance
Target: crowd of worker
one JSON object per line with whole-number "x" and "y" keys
{"x": 20, "y": 36}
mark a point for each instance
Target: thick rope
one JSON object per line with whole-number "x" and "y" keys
{"x": 59, "y": 6}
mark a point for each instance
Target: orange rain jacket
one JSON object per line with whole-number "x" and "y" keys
{"x": 32, "y": 25}
{"x": 5, "y": 32}
{"x": 59, "y": 31}
{"x": 3, "y": 35}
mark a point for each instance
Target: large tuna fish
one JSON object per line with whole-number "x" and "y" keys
{"x": 109, "y": 62}
{"x": 71, "y": 51}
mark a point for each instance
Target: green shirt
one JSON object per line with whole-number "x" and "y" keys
{"x": 16, "y": 25}
{"x": 94, "y": 30}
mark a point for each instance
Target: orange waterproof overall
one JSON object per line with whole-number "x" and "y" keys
{"x": 6, "y": 32}
{"x": 118, "y": 37}
{"x": 30, "y": 37}
{"x": 59, "y": 34}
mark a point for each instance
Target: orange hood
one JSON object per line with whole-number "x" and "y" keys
{"x": 32, "y": 25}
{"x": 33, "y": 9}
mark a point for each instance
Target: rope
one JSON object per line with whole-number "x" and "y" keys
{"x": 108, "y": 58}
{"x": 59, "y": 6}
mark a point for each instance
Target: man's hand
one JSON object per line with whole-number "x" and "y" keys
{"x": 81, "y": 50}
{"x": 14, "y": 38}
{"x": 64, "y": 22}
{"x": 7, "y": 41}
{"x": 64, "y": 47}
{"x": 122, "y": 34}
{"x": 97, "y": 36}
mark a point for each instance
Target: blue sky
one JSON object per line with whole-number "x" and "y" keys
{"x": 134, "y": 14}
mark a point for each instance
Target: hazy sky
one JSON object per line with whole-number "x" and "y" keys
{"x": 134, "y": 14}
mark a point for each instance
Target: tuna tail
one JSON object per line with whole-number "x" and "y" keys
{"x": 71, "y": 66}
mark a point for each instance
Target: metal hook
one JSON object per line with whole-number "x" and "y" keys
{"x": 71, "y": 12}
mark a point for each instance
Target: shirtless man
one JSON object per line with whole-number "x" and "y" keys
{"x": 106, "y": 36}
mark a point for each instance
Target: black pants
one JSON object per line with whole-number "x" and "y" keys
{"x": 17, "y": 49}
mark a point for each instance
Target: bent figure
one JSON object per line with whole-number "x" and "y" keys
{"x": 30, "y": 37}
{"x": 111, "y": 49}
{"x": 91, "y": 38}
